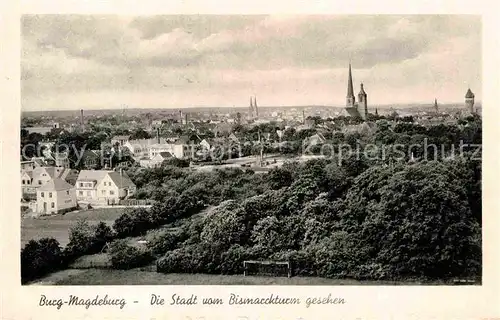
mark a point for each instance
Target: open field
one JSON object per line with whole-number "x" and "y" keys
{"x": 57, "y": 226}
{"x": 138, "y": 277}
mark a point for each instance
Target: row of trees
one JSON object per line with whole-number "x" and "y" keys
{"x": 407, "y": 221}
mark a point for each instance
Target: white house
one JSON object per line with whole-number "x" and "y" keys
{"x": 103, "y": 187}
{"x": 31, "y": 180}
{"x": 155, "y": 161}
{"x": 120, "y": 140}
{"x": 55, "y": 196}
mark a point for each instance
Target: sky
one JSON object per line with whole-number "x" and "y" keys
{"x": 70, "y": 62}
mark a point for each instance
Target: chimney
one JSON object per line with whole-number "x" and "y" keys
{"x": 255, "y": 106}
{"x": 81, "y": 119}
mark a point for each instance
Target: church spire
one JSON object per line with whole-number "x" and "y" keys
{"x": 350, "y": 90}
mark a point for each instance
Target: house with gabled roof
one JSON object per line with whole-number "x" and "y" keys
{"x": 55, "y": 196}
{"x": 31, "y": 180}
{"x": 103, "y": 187}
{"x": 315, "y": 139}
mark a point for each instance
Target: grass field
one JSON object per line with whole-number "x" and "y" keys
{"x": 57, "y": 226}
{"x": 139, "y": 277}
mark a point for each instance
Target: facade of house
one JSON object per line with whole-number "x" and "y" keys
{"x": 28, "y": 165}
{"x": 120, "y": 140}
{"x": 148, "y": 148}
{"x": 315, "y": 139}
{"x": 103, "y": 187}
{"x": 55, "y": 196}
{"x": 58, "y": 159}
{"x": 32, "y": 180}
{"x": 91, "y": 159}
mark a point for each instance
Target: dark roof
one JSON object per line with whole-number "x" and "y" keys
{"x": 469, "y": 94}
{"x": 353, "y": 112}
{"x": 166, "y": 154}
{"x": 121, "y": 180}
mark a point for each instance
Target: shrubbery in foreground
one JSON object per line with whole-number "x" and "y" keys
{"x": 126, "y": 256}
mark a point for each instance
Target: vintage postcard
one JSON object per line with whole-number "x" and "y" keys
{"x": 251, "y": 165}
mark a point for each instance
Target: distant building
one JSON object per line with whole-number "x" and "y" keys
{"x": 315, "y": 139}
{"x": 40, "y": 130}
{"x": 469, "y": 101}
{"x": 120, "y": 140}
{"x": 353, "y": 109}
{"x": 29, "y": 165}
{"x": 33, "y": 179}
{"x": 55, "y": 196}
{"x": 91, "y": 159}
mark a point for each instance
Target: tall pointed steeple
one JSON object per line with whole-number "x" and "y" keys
{"x": 250, "y": 108}
{"x": 435, "y": 105}
{"x": 350, "y": 90}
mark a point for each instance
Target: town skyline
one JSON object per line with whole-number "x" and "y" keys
{"x": 220, "y": 61}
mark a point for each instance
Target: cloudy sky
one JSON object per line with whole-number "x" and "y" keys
{"x": 77, "y": 61}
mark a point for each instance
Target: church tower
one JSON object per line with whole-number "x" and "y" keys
{"x": 363, "y": 103}
{"x": 469, "y": 101}
{"x": 250, "y": 109}
{"x": 436, "y": 108}
{"x": 350, "y": 99}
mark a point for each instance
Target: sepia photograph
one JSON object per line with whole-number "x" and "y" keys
{"x": 312, "y": 150}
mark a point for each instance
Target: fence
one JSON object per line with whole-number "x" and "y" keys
{"x": 135, "y": 202}
{"x": 267, "y": 268}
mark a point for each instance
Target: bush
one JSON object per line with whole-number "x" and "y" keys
{"x": 87, "y": 239}
{"x": 125, "y": 256}
{"x": 232, "y": 259}
{"x": 337, "y": 255}
{"x": 133, "y": 223}
{"x": 39, "y": 258}
{"x": 301, "y": 262}
{"x": 196, "y": 258}
{"x": 165, "y": 241}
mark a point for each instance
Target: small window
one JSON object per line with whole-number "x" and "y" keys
{"x": 24, "y": 182}
{"x": 50, "y": 194}
{"x": 81, "y": 185}
{"x": 80, "y": 193}
{"x": 40, "y": 182}
{"x": 52, "y": 205}
{"x": 67, "y": 192}
{"x": 42, "y": 194}
{"x": 103, "y": 192}
{"x": 111, "y": 192}
{"x": 28, "y": 182}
